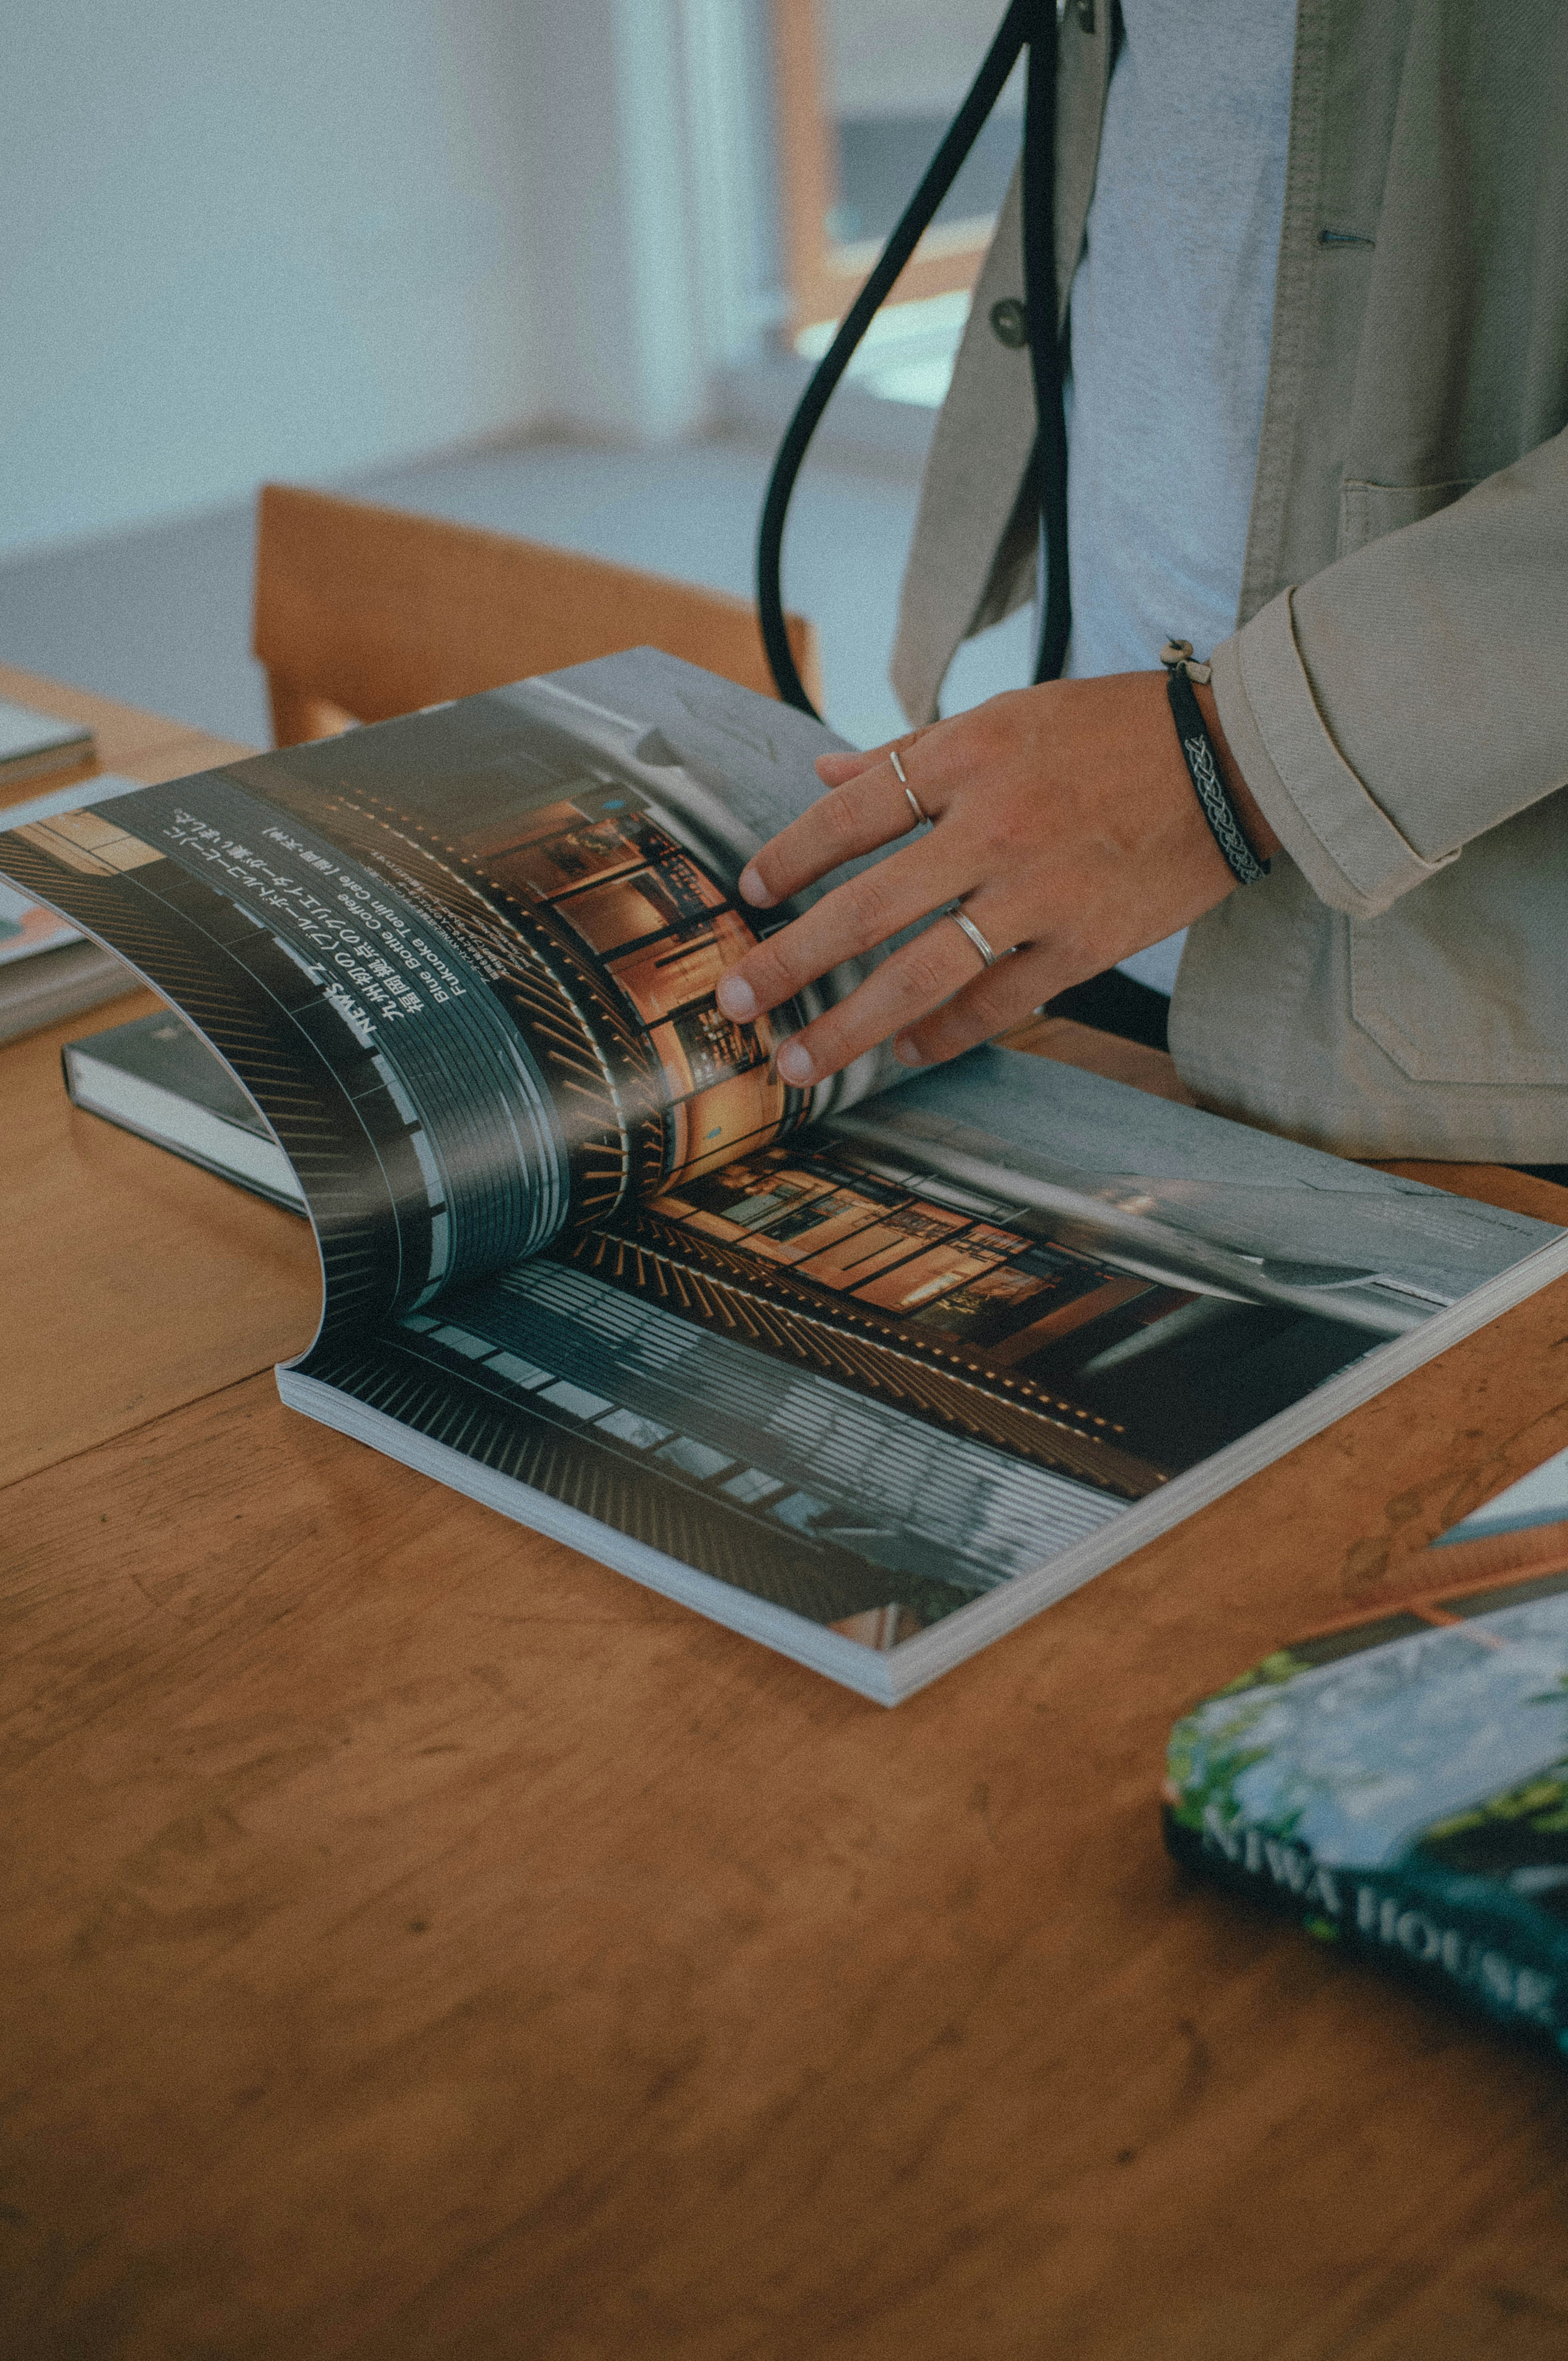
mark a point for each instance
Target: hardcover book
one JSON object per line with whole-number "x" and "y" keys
{"x": 47, "y": 971}
{"x": 870, "y": 1372}
{"x": 1399, "y": 1783}
{"x": 34, "y": 745}
{"x": 156, "y": 1077}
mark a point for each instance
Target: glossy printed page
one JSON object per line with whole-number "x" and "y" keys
{"x": 465, "y": 963}
{"x": 876, "y": 1371}
{"x": 1250, "y": 1213}
{"x": 26, "y": 929}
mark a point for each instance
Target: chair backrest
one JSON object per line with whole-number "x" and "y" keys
{"x": 364, "y": 613}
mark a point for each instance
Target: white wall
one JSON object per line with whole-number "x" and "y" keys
{"x": 291, "y": 236}
{"x": 618, "y": 293}
{"x": 244, "y": 238}
{"x": 653, "y": 184}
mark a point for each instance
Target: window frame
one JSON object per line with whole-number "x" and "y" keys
{"x": 822, "y": 276}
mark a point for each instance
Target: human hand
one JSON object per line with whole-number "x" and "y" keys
{"x": 1064, "y": 819}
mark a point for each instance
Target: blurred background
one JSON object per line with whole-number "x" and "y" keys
{"x": 556, "y": 267}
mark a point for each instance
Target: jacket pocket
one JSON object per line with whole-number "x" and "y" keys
{"x": 1366, "y": 512}
{"x": 1464, "y": 978}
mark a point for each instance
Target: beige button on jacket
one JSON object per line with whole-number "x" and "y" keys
{"x": 1397, "y": 690}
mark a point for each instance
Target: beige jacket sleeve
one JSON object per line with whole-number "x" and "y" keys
{"x": 1414, "y": 694}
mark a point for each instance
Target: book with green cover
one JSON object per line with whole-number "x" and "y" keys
{"x": 1399, "y": 1784}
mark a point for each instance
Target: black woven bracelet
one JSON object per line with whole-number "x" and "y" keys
{"x": 1203, "y": 769}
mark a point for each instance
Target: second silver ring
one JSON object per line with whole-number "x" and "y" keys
{"x": 976, "y": 938}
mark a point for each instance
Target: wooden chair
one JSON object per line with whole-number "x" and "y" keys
{"x": 364, "y": 613}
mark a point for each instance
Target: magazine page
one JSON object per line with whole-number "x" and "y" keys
{"x": 46, "y": 971}
{"x": 969, "y": 1340}
{"x": 464, "y": 964}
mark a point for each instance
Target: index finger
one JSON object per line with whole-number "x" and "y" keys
{"x": 871, "y": 809}
{"x": 849, "y": 762}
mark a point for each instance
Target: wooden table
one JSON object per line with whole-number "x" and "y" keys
{"x": 416, "y": 1941}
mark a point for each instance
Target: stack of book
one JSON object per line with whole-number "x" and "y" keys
{"x": 47, "y": 969}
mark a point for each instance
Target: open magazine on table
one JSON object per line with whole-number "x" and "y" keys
{"x": 870, "y": 1372}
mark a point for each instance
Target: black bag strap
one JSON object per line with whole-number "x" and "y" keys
{"x": 1032, "y": 24}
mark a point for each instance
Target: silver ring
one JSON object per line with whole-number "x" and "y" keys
{"x": 976, "y": 938}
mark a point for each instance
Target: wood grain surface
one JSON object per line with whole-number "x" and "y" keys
{"x": 419, "y": 1944}
{"x": 176, "y": 758}
{"x": 127, "y": 737}
{"x": 1071, "y": 1044}
{"x": 137, "y": 745}
{"x": 133, "y": 1281}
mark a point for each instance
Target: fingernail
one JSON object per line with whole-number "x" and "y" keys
{"x": 753, "y": 889}
{"x": 904, "y": 1049}
{"x": 736, "y": 997}
{"x": 795, "y": 1064}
